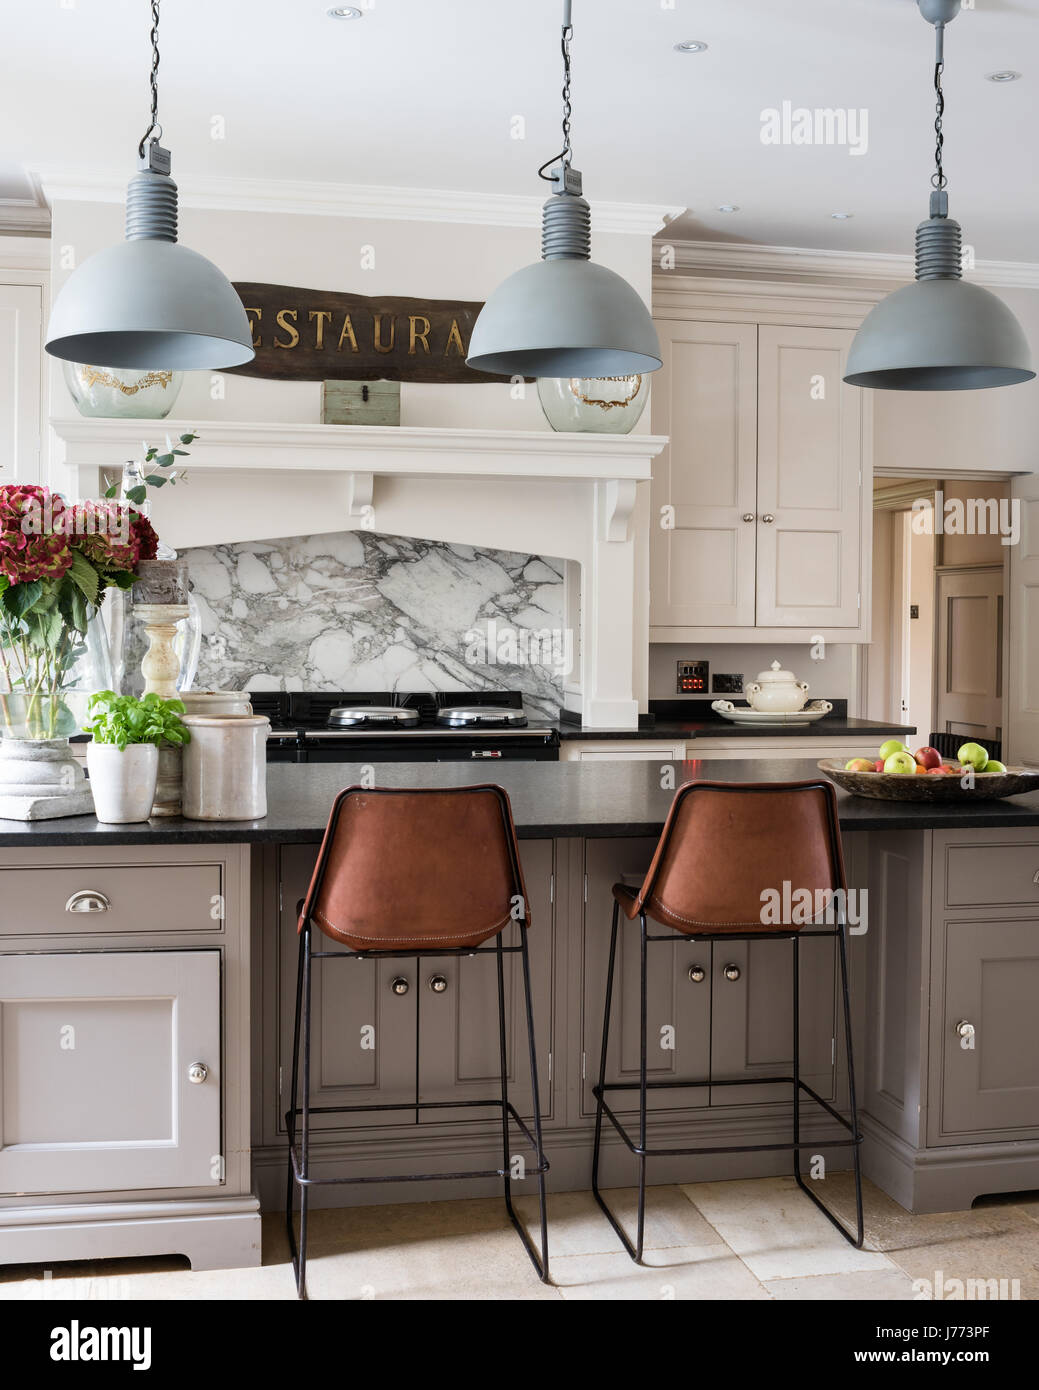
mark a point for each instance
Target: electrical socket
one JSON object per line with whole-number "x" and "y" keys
{"x": 727, "y": 684}
{"x": 693, "y": 678}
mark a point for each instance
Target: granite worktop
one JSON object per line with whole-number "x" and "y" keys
{"x": 599, "y": 799}
{"x": 667, "y": 728}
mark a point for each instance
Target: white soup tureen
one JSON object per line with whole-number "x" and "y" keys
{"x": 777, "y": 691}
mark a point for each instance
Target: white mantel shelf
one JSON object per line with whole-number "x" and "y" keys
{"x": 371, "y": 449}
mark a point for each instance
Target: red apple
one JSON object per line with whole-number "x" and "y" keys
{"x": 936, "y": 771}
{"x": 928, "y": 757}
{"x": 859, "y": 765}
{"x": 878, "y": 766}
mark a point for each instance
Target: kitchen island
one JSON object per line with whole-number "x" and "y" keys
{"x": 147, "y": 983}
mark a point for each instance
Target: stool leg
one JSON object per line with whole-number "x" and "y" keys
{"x": 290, "y": 1184}
{"x": 857, "y": 1149}
{"x": 644, "y": 1024}
{"x": 602, "y": 1071}
{"x": 536, "y": 1097}
{"x": 304, "y": 1191}
{"x": 796, "y": 945}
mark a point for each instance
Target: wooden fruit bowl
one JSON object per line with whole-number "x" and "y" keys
{"x": 892, "y": 786}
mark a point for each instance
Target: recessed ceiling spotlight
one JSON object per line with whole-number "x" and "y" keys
{"x": 345, "y": 12}
{"x": 1003, "y": 75}
{"x": 842, "y": 216}
{"x": 691, "y": 46}
{"x": 729, "y": 207}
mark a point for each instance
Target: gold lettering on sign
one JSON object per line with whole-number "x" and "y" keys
{"x": 257, "y": 340}
{"x": 323, "y": 316}
{"x": 455, "y": 336}
{"x": 348, "y": 332}
{"x": 414, "y": 336}
{"x": 281, "y": 316}
{"x": 378, "y": 334}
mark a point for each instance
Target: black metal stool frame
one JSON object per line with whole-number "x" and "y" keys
{"x": 643, "y": 1086}
{"x": 298, "y": 1174}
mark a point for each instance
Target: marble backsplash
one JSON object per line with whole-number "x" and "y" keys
{"x": 361, "y": 611}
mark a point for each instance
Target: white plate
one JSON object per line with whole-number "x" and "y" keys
{"x": 761, "y": 719}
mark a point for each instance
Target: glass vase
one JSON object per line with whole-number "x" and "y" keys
{"x": 122, "y": 393}
{"x": 37, "y": 703}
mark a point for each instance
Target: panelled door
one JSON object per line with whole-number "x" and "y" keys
{"x": 363, "y": 1034}
{"x": 678, "y": 992}
{"x": 99, "y": 1088}
{"x": 970, "y": 652}
{"x": 459, "y": 1055}
{"x": 1022, "y": 712}
{"x": 991, "y": 982}
{"x": 21, "y": 350}
{"x": 704, "y": 503}
{"x": 809, "y": 503}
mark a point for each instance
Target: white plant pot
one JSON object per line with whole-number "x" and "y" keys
{"x": 123, "y": 781}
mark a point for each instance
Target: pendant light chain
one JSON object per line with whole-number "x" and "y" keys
{"x": 154, "y": 131}
{"x": 938, "y": 178}
{"x": 565, "y": 155}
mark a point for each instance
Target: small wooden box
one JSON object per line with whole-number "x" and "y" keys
{"x": 360, "y": 403}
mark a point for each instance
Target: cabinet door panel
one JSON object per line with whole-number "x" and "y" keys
{"x": 991, "y": 981}
{"x": 21, "y": 334}
{"x": 753, "y": 1018}
{"x": 459, "y": 1054}
{"x": 702, "y": 567}
{"x": 679, "y": 1009}
{"x": 364, "y": 1039}
{"x": 810, "y": 455}
{"x": 94, "y": 1057}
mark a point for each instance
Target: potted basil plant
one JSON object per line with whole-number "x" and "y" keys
{"x": 123, "y": 757}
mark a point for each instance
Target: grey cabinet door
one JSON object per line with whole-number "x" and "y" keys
{"x": 991, "y": 980}
{"x": 459, "y": 1055}
{"x": 752, "y": 1033}
{"x": 678, "y": 1008}
{"x": 95, "y": 1052}
{"x": 363, "y": 1034}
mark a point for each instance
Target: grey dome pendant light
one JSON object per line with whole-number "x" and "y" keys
{"x": 565, "y": 316}
{"x": 148, "y": 302}
{"x": 940, "y": 333}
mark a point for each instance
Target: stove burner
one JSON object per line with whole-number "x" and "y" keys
{"x": 480, "y": 716}
{"x": 369, "y": 716}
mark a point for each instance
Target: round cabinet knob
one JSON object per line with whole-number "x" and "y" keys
{"x": 748, "y": 516}
{"x": 731, "y": 972}
{"x": 964, "y": 1029}
{"x": 197, "y": 1073}
{"x": 399, "y": 985}
{"x": 697, "y": 974}
{"x": 437, "y": 984}
{"x": 88, "y": 900}
{"x": 768, "y": 518}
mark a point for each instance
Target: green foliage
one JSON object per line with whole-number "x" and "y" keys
{"x": 125, "y": 720}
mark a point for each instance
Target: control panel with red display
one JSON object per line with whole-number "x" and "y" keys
{"x": 693, "y": 677}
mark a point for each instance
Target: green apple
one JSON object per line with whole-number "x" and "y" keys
{"x": 858, "y": 765}
{"x": 893, "y": 745}
{"x": 973, "y": 755}
{"x": 994, "y": 766}
{"x": 901, "y": 762}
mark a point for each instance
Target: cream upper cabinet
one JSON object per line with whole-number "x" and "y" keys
{"x": 705, "y": 481}
{"x": 809, "y": 480}
{"x": 762, "y": 500}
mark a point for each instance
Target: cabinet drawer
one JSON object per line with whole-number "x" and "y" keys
{"x": 71, "y": 900}
{"x": 992, "y": 872}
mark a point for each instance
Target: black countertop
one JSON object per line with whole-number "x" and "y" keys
{"x": 595, "y": 800}
{"x": 832, "y": 726}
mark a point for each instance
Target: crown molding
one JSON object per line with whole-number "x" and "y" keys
{"x": 26, "y": 216}
{"x": 357, "y": 200}
{"x": 802, "y": 263}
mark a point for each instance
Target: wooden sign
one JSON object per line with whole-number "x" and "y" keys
{"x": 325, "y": 335}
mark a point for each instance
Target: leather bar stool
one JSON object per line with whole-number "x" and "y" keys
{"x": 722, "y": 846}
{"x": 415, "y": 874}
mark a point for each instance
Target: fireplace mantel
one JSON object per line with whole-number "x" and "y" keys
{"x": 580, "y": 497}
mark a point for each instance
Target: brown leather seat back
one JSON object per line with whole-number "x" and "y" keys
{"x": 724, "y": 844}
{"x": 416, "y": 869}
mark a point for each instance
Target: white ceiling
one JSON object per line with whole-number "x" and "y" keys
{"x": 420, "y": 93}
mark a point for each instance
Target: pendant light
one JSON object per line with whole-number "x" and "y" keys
{"x": 149, "y": 302}
{"x": 940, "y": 333}
{"x": 564, "y": 316}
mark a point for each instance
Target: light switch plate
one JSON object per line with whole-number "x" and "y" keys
{"x": 693, "y": 677}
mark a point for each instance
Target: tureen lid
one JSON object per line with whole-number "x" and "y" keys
{"x": 775, "y": 676}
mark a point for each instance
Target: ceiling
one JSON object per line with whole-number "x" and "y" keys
{"x": 421, "y": 93}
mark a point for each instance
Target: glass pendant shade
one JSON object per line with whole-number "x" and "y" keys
{"x": 565, "y": 316}
{"x": 149, "y": 302}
